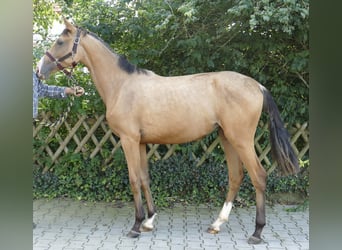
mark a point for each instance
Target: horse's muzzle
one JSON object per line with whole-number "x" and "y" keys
{"x": 44, "y": 70}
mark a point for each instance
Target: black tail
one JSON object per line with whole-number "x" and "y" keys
{"x": 281, "y": 148}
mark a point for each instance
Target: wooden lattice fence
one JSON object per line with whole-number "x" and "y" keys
{"x": 91, "y": 136}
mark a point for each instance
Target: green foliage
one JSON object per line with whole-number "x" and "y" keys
{"x": 85, "y": 179}
{"x": 298, "y": 184}
{"x": 176, "y": 179}
{"x": 43, "y": 16}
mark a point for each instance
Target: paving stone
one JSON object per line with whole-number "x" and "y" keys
{"x": 66, "y": 224}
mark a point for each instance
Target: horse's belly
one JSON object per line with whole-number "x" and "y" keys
{"x": 175, "y": 133}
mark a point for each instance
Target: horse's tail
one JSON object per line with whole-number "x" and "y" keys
{"x": 281, "y": 148}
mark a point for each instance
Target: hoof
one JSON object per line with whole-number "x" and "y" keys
{"x": 133, "y": 234}
{"x": 254, "y": 240}
{"x": 212, "y": 230}
{"x": 146, "y": 229}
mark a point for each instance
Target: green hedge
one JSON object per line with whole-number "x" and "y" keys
{"x": 176, "y": 179}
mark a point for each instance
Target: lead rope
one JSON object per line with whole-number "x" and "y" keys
{"x": 64, "y": 115}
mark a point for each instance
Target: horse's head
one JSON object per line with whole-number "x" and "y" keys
{"x": 64, "y": 53}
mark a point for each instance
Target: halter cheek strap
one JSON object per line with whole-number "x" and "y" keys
{"x": 70, "y": 54}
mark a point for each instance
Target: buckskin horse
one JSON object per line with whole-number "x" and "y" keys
{"x": 143, "y": 107}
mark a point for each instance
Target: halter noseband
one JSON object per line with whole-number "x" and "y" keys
{"x": 70, "y": 54}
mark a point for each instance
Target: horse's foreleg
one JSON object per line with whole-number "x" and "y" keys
{"x": 145, "y": 183}
{"x": 235, "y": 178}
{"x": 132, "y": 154}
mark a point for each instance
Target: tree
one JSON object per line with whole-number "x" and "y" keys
{"x": 43, "y": 16}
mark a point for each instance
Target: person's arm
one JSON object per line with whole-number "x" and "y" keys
{"x": 45, "y": 90}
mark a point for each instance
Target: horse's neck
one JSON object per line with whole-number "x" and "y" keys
{"x": 103, "y": 67}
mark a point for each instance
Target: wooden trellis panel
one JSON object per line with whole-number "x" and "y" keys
{"x": 89, "y": 136}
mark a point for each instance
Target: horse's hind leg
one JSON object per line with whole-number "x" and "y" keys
{"x": 258, "y": 176}
{"x": 237, "y": 150}
{"x": 145, "y": 184}
{"x": 235, "y": 174}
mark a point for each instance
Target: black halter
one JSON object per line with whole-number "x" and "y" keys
{"x": 70, "y": 54}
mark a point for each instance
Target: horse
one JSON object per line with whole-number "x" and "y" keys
{"x": 144, "y": 107}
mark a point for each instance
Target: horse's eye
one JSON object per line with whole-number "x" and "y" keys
{"x": 59, "y": 42}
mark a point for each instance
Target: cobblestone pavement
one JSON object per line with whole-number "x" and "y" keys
{"x": 66, "y": 224}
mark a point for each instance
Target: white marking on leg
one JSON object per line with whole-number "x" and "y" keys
{"x": 223, "y": 216}
{"x": 149, "y": 222}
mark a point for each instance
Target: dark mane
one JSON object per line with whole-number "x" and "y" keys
{"x": 128, "y": 67}
{"x": 124, "y": 64}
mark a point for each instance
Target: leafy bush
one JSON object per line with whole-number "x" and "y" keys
{"x": 84, "y": 179}
{"x": 176, "y": 179}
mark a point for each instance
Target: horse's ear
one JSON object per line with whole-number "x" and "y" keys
{"x": 68, "y": 25}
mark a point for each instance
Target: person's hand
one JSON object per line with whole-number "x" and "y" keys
{"x": 78, "y": 91}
